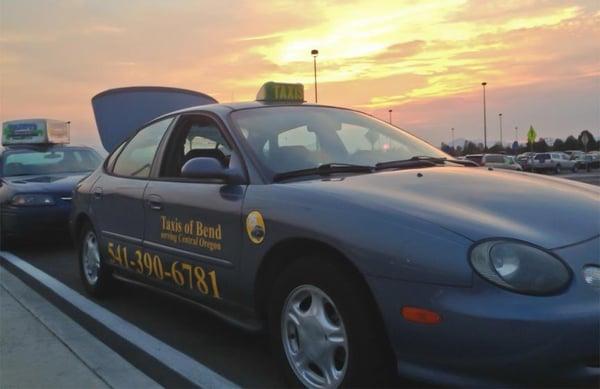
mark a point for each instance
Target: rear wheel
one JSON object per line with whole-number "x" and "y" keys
{"x": 321, "y": 328}
{"x": 94, "y": 274}
{"x": 557, "y": 169}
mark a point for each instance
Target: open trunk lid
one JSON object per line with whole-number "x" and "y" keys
{"x": 120, "y": 112}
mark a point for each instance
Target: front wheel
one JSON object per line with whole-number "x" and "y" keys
{"x": 94, "y": 274}
{"x": 322, "y": 328}
{"x": 575, "y": 168}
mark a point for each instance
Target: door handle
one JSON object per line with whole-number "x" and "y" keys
{"x": 154, "y": 202}
{"x": 155, "y": 205}
{"x": 98, "y": 193}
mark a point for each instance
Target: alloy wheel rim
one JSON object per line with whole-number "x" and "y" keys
{"x": 314, "y": 338}
{"x": 90, "y": 258}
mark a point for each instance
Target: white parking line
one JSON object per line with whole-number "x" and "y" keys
{"x": 175, "y": 360}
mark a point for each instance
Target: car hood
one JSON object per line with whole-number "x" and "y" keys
{"x": 47, "y": 183}
{"x": 479, "y": 203}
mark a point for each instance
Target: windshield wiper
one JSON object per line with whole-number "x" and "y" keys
{"x": 325, "y": 170}
{"x": 420, "y": 161}
{"x": 416, "y": 161}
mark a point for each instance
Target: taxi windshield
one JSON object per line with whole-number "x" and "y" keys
{"x": 36, "y": 162}
{"x": 289, "y": 138}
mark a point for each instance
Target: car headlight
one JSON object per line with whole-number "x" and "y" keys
{"x": 520, "y": 267}
{"x": 32, "y": 200}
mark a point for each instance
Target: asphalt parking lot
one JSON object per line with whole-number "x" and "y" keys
{"x": 241, "y": 357}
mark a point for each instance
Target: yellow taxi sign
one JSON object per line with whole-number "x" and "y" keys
{"x": 279, "y": 91}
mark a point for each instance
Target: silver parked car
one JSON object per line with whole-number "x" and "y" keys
{"x": 554, "y": 161}
{"x": 498, "y": 161}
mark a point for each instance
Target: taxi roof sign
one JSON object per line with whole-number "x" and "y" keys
{"x": 281, "y": 92}
{"x": 35, "y": 131}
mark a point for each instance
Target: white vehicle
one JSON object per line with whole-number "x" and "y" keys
{"x": 498, "y": 161}
{"x": 577, "y": 155}
{"x": 554, "y": 161}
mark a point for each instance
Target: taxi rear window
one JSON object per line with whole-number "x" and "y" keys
{"x": 32, "y": 162}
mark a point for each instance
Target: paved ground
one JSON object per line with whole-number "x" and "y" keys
{"x": 592, "y": 177}
{"x": 43, "y": 348}
{"x": 26, "y": 344}
{"x": 241, "y": 357}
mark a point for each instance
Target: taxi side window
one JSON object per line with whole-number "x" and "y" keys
{"x": 195, "y": 137}
{"x": 136, "y": 158}
{"x": 110, "y": 162}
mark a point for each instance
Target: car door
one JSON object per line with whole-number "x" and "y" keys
{"x": 194, "y": 227}
{"x": 568, "y": 162}
{"x": 494, "y": 161}
{"x": 117, "y": 196}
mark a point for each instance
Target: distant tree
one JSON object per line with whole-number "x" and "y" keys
{"x": 523, "y": 148}
{"x": 571, "y": 143}
{"x": 497, "y": 148}
{"x": 558, "y": 145}
{"x": 470, "y": 148}
{"x": 592, "y": 143}
{"x": 446, "y": 148}
{"x": 459, "y": 150}
{"x": 540, "y": 146}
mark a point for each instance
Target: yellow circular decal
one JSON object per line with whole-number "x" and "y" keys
{"x": 255, "y": 227}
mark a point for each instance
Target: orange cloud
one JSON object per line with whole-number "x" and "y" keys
{"x": 393, "y": 54}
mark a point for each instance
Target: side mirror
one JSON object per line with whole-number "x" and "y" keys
{"x": 210, "y": 168}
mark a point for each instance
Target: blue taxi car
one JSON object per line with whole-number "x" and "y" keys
{"x": 37, "y": 178}
{"x": 358, "y": 246}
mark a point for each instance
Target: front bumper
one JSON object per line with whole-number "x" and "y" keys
{"x": 490, "y": 336}
{"x": 34, "y": 221}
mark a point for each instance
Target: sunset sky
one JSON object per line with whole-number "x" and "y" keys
{"x": 425, "y": 60}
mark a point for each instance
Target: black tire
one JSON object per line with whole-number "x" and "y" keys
{"x": 367, "y": 358}
{"x": 575, "y": 168}
{"x": 104, "y": 284}
{"x": 557, "y": 169}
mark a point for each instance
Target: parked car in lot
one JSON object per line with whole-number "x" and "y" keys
{"x": 577, "y": 155}
{"x": 523, "y": 159}
{"x": 37, "y": 178}
{"x": 498, "y": 161}
{"x": 358, "y": 246}
{"x": 556, "y": 162}
{"x": 593, "y": 157}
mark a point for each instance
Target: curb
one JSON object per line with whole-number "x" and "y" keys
{"x": 104, "y": 363}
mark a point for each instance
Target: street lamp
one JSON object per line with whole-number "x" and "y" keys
{"x": 483, "y": 84}
{"x": 390, "y": 113}
{"x": 500, "y": 118}
{"x": 314, "y": 53}
{"x": 517, "y": 133}
{"x": 452, "y": 131}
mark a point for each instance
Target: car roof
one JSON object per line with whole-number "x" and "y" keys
{"x": 237, "y": 106}
{"x": 42, "y": 147}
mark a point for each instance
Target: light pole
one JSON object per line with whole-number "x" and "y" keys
{"x": 314, "y": 53}
{"x": 390, "y": 113}
{"x": 452, "y": 131}
{"x": 483, "y": 84}
{"x": 517, "y": 133}
{"x": 500, "y": 118}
